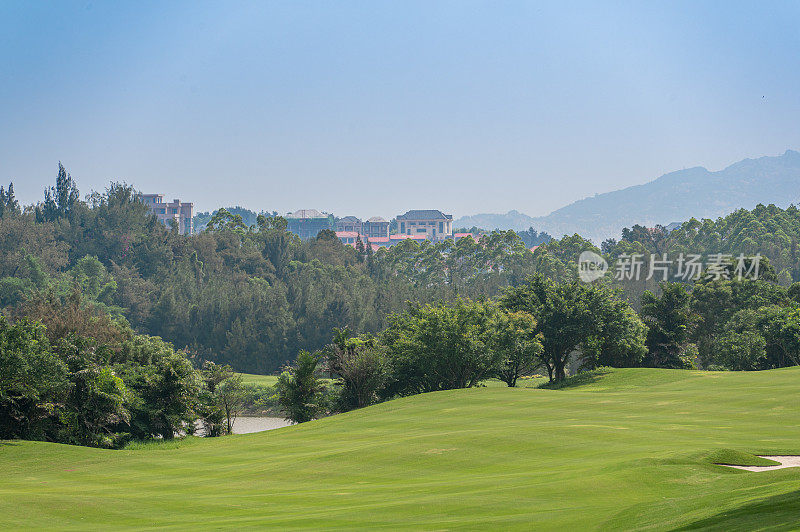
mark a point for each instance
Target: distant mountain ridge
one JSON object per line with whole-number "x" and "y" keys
{"x": 673, "y": 197}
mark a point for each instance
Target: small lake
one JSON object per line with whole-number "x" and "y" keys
{"x": 248, "y": 424}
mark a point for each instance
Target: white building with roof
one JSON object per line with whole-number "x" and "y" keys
{"x": 433, "y": 224}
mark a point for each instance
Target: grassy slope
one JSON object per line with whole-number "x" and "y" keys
{"x": 631, "y": 450}
{"x": 265, "y": 380}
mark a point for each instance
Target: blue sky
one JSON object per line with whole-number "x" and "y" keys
{"x": 374, "y": 107}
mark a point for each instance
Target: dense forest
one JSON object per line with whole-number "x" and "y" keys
{"x": 254, "y": 295}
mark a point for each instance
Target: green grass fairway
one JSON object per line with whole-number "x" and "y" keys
{"x": 633, "y": 449}
{"x": 265, "y": 380}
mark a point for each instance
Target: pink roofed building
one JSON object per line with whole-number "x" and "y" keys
{"x": 348, "y": 237}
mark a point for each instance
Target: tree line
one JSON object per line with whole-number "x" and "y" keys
{"x": 253, "y": 296}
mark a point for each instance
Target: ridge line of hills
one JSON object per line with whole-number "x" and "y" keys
{"x": 673, "y": 197}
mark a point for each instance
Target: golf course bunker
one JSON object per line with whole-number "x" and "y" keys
{"x": 783, "y": 462}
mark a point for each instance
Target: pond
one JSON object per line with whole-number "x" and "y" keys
{"x": 248, "y": 424}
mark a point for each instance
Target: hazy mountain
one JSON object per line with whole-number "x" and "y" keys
{"x": 677, "y": 196}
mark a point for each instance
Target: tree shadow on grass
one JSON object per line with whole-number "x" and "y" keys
{"x": 778, "y": 512}
{"x": 581, "y": 379}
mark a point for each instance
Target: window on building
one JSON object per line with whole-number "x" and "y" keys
{"x": 441, "y": 227}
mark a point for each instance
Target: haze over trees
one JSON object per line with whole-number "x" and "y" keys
{"x": 112, "y": 291}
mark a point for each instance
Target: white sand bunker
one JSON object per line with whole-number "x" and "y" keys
{"x": 783, "y": 462}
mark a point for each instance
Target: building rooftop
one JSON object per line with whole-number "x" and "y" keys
{"x": 408, "y": 237}
{"x": 377, "y": 219}
{"x": 425, "y": 215}
{"x": 346, "y": 234}
{"x": 306, "y": 213}
{"x": 350, "y": 219}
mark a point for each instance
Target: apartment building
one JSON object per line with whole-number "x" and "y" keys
{"x": 307, "y": 223}
{"x": 178, "y": 212}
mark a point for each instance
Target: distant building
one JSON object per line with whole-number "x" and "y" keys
{"x": 432, "y": 224}
{"x": 473, "y": 236}
{"x": 349, "y": 238}
{"x": 179, "y": 212}
{"x": 380, "y": 242}
{"x": 395, "y": 239}
{"x": 307, "y": 223}
{"x": 375, "y": 227}
{"x": 349, "y": 223}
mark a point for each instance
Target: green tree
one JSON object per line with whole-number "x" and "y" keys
{"x": 361, "y": 368}
{"x": 670, "y": 320}
{"x": 167, "y": 393}
{"x": 95, "y": 407}
{"x": 440, "y": 347}
{"x": 222, "y": 398}
{"x": 515, "y": 338}
{"x": 9, "y": 206}
{"x": 33, "y": 381}
{"x": 563, "y": 315}
{"x": 300, "y": 392}
{"x": 59, "y": 200}
{"x": 619, "y": 338}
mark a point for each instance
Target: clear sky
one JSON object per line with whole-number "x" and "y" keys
{"x": 377, "y": 107}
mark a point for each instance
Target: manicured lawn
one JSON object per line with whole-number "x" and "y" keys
{"x": 633, "y": 449}
{"x": 266, "y": 380}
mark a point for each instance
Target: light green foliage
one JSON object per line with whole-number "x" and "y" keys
{"x": 514, "y": 337}
{"x": 440, "y": 347}
{"x": 222, "y": 398}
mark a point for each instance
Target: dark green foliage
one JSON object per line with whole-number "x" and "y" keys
{"x": 361, "y": 366}
{"x": 168, "y": 393}
{"x": 9, "y": 206}
{"x": 670, "y": 320}
{"x": 33, "y": 381}
{"x": 88, "y": 380}
{"x": 60, "y": 200}
{"x": 530, "y": 237}
{"x": 300, "y": 391}
{"x": 94, "y": 409}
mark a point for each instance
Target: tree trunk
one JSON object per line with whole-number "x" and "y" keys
{"x": 560, "y": 369}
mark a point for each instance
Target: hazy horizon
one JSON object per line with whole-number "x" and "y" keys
{"x": 375, "y": 109}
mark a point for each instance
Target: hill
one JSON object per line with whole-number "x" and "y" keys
{"x": 630, "y": 449}
{"x": 677, "y": 196}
